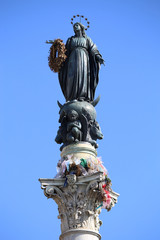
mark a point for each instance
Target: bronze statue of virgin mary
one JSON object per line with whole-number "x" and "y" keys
{"x": 78, "y": 63}
{"x": 79, "y": 74}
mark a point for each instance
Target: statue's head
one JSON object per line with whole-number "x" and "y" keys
{"x": 79, "y": 27}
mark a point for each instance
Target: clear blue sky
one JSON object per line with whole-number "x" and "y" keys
{"x": 127, "y": 34}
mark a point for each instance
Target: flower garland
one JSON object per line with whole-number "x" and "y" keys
{"x": 79, "y": 167}
{"x": 55, "y": 62}
{"x": 83, "y": 167}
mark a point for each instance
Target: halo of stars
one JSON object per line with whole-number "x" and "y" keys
{"x": 81, "y": 16}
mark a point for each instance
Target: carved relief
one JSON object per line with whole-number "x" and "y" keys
{"x": 78, "y": 123}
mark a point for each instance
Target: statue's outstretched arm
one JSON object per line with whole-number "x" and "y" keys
{"x": 50, "y": 41}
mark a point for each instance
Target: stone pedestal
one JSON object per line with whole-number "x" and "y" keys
{"x": 79, "y": 201}
{"x": 80, "y": 150}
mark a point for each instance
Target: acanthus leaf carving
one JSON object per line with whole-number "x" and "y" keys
{"x": 78, "y": 201}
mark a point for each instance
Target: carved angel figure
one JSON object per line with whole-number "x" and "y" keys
{"x": 74, "y": 127}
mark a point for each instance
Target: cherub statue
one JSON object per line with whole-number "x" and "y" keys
{"x": 74, "y": 127}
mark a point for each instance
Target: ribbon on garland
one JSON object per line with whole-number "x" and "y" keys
{"x": 107, "y": 202}
{"x": 83, "y": 162}
{"x": 100, "y": 205}
{"x": 101, "y": 167}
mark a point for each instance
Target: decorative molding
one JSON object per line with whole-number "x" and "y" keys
{"x": 81, "y": 234}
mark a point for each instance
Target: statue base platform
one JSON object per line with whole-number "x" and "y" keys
{"x": 80, "y": 150}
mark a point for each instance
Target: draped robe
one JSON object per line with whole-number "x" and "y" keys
{"x": 79, "y": 74}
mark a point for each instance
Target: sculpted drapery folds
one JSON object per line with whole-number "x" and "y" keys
{"x": 79, "y": 74}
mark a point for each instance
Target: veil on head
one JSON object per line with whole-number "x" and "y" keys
{"x": 82, "y": 28}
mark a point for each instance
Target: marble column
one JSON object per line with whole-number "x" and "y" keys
{"x": 78, "y": 202}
